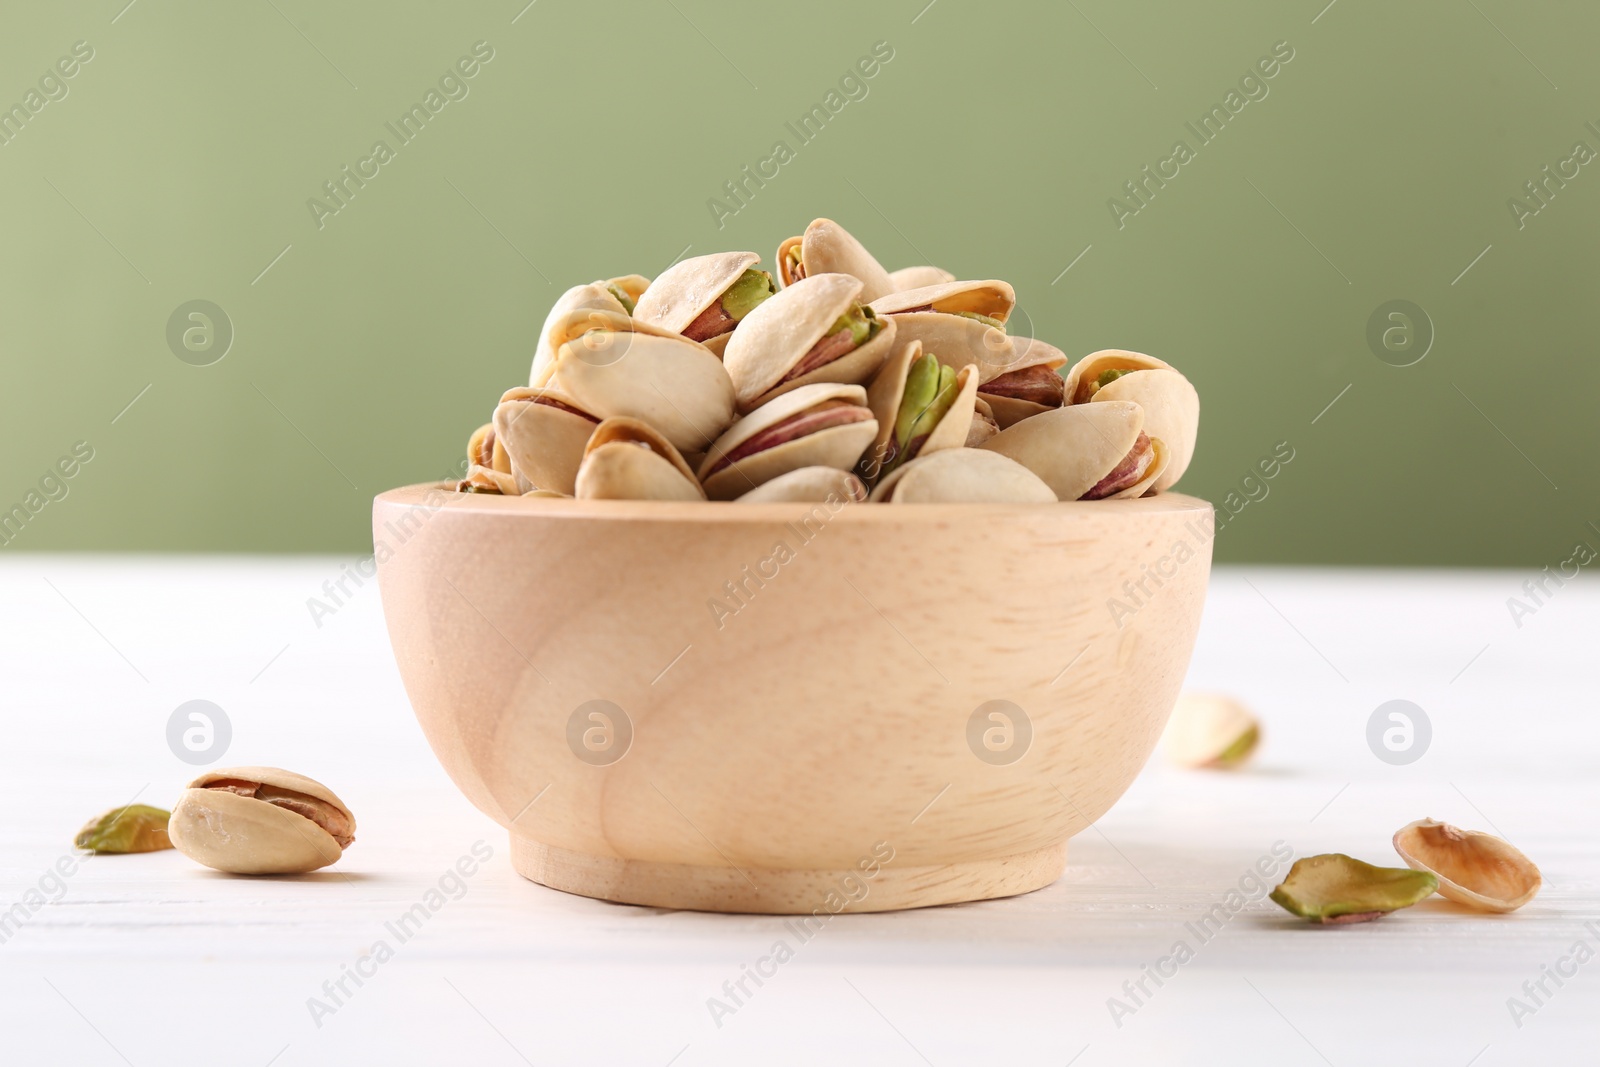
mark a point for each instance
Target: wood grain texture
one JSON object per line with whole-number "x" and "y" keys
{"x": 798, "y": 681}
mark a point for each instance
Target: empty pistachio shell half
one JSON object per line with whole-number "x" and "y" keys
{"x": 260, "y": 820}
{"x": 828, "y": 248}
{"x": 962, "y": 476}
{"x": 626, "y": 459}
{"x": 706, "y": 297}
{"x": 1209, "y": 730}
{"x": 808, "y": 485}
{"x": 134, "y": 828}
{"x": 918, "y": 277}
{"x": 543, "y": 432}
{"x": 1334, "y": 888}
{"x": 1474, "y": 868}
{"x": 823, "y": 425}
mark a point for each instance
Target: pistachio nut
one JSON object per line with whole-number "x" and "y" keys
{"x": 821, "y": 425}
{"x": 260, "y": 820}
{"x": 706, "y": 297}
{"x": 984, "y": 424}
{"x": 960, "y": 322}
{"x": 1085, "y": 452}
{"x": 610, "y": 366}
{"x": 626, "y": 459}
{"x": 616, "y": 295}
{"x": 921, "y": 406}
{"x": 1171, "y": 405}
{"x": 828, "y": 248}
{"x": 543, "y": 432}
{"x": 808, "y": 485}
{"x": 1334, "y": 888}
{"x": 814, "y": 331}
{"x": 918, "y": 278}
{"x": 1031, "y": 383}
{"x": 132, "y": 828}
{"x": 484, "y": 449}
{"x": 490, "y": 481}
{"x": 1473, "y": 868}
{"x": 962, "y": 476}
{"x": 1210, "y": 730}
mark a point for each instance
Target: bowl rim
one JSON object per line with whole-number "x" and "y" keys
{"x": 424, "y": 494}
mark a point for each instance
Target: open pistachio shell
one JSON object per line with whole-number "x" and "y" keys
{"x": 489, "y": 480}
{"x": 838, "y": 446}
{"x": 828, "y": 248}
{"x": 1474, "y": 868}
{"x": 885, "y": 396}
{"x": 626, "y": 459}
{"x": 962, "y": 476}
{"x": 991, "y": 298}
{"x": 918, "y": 277}
{"x": 688, "y": 288}
{"x": 984, "y": 424}
{"x": 1210, "y": 730}
{"x": 1072, "y": 448}
{"x": 957, "y": 341}
{"x": 544, "y": 432}
{"x": 632, "y": 286}
{"x": 1027, "y": 353}
{"x": 808, "y": 485}
{"x": 485, "y": 449}
{"x": 1083, "y": 380}
{"x": 1148, "y": 482}
{"x": 595, "y": 296}
{"x": 1334, "y": 888}
{"x": 774, "y": 338}
{"x": 260, "y": 820}
{"x": 668, "y": 381}
{"x": 1171, "y": 412}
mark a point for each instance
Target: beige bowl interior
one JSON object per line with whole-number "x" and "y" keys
{"x": 804, "y": 690}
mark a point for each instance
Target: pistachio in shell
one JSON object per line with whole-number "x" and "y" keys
{"x": 490, "y": 481}
{"x": 260, "y": 820}
{"x": 918, "y": 277}
{"x": 921, "y": 405}
{"x": 984, "y": 424}
{"x": 1086, "y": 452}
{"x": 960, "y": 322}
{"x": 1210, "y": 730}
{"x": 543, "y": 432}
{"x": 814, "y": 331}
{"x": 704, "y": 298}
{"x": 626, "y": 459}
{"x": 616, "y": 296}
{"x": 808, "y": 485}
{"x": 1171, "y": 405}
{"x": 484, "y": 449}
{"x": 962, "y": 476}
{"x": 820, "y": 425}
{"x": 1335, "y": 888}
{"x": 1029, "y": 384}
{"x": 1476, "y": 869}
{"x": 131, "y": 828}
{"x": 828, "y": 248}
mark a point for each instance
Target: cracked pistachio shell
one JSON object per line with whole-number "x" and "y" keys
{"x": 484, "y": 449}
{"x": 828, "y": 248}
{"x": 1159, "y": 459}
{"x": 668, "y": 381}
{"x": 133, "y": 828}
{"x": 1171, "y": 405}
{"x": 992, "y": 298}
{"x": 808, "y": 485}
{"x": 888, "y": 389}
{"x": 1072, "y": 448}
{"x": 1334, "y": 888}
{"x": 837, "y": 446}
{"x": 489, "y": 480}
{"x": 776, "y": 336}
{"x": 1210, "y": 730}
{"x": 239, "y": 834}
{"x": 1083, "y": 379}
{"x": 1026, "y": 352}
{"x": 595, "y": 296}
{"x": 962, "y": 476}
{"x": 689, "y": 287}
{"x": 918, "y": 277}
{"x": 984, "y": 424}
{"x": 957, "y": 341}
{"x": 543, "y": 442}
{"x": 626, "y": 459}
{"x": 1474, "y": 868}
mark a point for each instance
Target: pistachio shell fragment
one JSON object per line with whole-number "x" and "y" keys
{"x": 1210, "y": 730}
{"x": 260, "y": 820}
{"x": 134, "y": 828}
{"x": 1474, "y": 868}
{"x": 1335, "y": 888}
{"x": 626, "y": 459}
{"x": 809, "y": 485}
{"x": 828, "y": 248}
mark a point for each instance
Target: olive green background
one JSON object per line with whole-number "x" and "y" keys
{"x": 1377, "y": 168}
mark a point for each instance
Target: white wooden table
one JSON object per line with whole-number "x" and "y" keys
{"x": 149, "y": 960}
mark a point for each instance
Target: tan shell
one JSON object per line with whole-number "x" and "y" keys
{"x": 887, "y": 390}
{"x": 962, "y": 476}
{"x": 808, "y": 485}
{"x": 1171, "y": 412}
{"x": 666, "y": 380}
{"x": 918, "y": 277}
{"x": 626, "y": 459}
{"x": 1210, "y": 730}
{"x": 957, "y": 341}
{"x": 687, "y": 288}
{"x": 1090, "y": 367}
{"x": 1072, "y": 448}
{"x": 246, "y": 835}
{"x": 1474, "y": 868}
{"x": 498, "y": 459}
{"x": 487, "y": 479}
{"x": 838, "y": 446}
{"x": 984, "y": 423}
{"x": 635, "y": 285}
{"x": 828, "y": 248}
{"x": 1027, "y": 352}
{"x": 776, "y": 336}
{"x": 545, "y": 444}
{"x": 591, "y": 297}
{"x": 992, "y": 297}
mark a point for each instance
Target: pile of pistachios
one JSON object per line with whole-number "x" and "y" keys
{"x": 836, "y": 380}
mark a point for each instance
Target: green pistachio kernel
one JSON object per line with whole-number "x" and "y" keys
{"x": 985, "y": 319}
{"x": 135, "y": 828}
{"x": 862, "y": 322}
{"x": 1334, "y": 888}
{"x": 746, "y": 294}
{"x": 930, "y": 391}
{"x": 1109, "y": 376}
{"x": 622, "y": 296}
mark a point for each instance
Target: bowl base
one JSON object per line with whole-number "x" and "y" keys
{"x": 769, "y": 891}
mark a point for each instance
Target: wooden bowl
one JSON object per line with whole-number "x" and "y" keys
{"x": 787, "y": 708}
